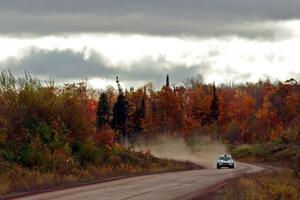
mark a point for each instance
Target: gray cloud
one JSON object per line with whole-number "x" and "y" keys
{"x": 68, "y": 65}
{"x": 275, "y": 9}
{"x": 234, "y": 75}
{"x": 203, "y": 18}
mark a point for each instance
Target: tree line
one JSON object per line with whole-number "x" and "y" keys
{"x": 242, "y": 113}
{"x": 59, "y": 126}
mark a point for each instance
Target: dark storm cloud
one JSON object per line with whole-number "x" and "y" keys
{"x": 63, "y": 65}
{"x": 202, "y": 18}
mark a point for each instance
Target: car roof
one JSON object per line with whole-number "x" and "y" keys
{"x": 225, "y": 155}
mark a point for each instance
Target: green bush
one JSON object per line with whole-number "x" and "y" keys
{"x": 31, "y": 156}
{"x": 90, "y": 153}
{"x": 242, "y": 151}
{"x": 129, "y": 157}
{"x": 279, "y": 154}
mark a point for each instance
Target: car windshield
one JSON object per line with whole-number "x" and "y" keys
{"x": 224, "y": 158}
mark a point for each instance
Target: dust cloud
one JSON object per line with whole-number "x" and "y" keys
{"x": 201, "y": 150}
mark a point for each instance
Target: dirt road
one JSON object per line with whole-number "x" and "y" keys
{"x": 177, "y": 185}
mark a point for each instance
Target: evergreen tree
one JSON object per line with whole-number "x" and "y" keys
{"x": 119, "y": 86}
{"x": 102, "y": 111}
{"x": 167, "y": 81}
{"x": 140, "y": 115}
{"x": 120, "y": 112}
{"x": 214, "y": 107}
{"x": 143, "y": 104}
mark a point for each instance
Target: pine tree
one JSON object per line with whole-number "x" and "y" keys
{"x": 167, "y": 81}
{"x": 119, "y": 86}
{"x": 214, "y": 107}
{"x": 140, "y": 114}
{"x": 120, "y": 112}
{"x": 143, "y": 105}
{"x": 102, "y": 111}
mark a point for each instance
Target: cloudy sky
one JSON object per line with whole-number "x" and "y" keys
{"x": 143, "y": 40}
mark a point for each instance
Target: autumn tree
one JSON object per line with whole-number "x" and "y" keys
{"x": 168, "y": 110}
{"x": 197, "y": 105}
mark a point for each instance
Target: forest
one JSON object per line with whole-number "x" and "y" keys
{"x": 62, "y": 120}
{"x": 234, "y": 114}
{"x": 61, "y": 129}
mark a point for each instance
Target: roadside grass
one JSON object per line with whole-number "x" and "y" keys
{"x": 277, "y": 154}
{"x": 16, "y": 179}
{"x": 281, "y": 185}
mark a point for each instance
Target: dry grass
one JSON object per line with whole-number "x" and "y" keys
{"x": 16, "y": 179}
{"x": 264, "y": 186}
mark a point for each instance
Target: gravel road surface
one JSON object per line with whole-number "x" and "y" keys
{"x": 175, "y": 185}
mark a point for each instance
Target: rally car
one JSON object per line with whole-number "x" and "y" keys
{"x": 225, "y": 161}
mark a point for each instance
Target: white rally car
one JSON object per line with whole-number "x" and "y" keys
{"x": 225, "y": 161}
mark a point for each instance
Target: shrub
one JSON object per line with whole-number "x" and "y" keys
{"x": 32, "y": 156}
{"x": 105, "y": 137}
{"x": 296, "y": 167}
{"x": 90, "y": 153}
{"x": 62, "y": 161}
{"x": 241, "y": 151}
